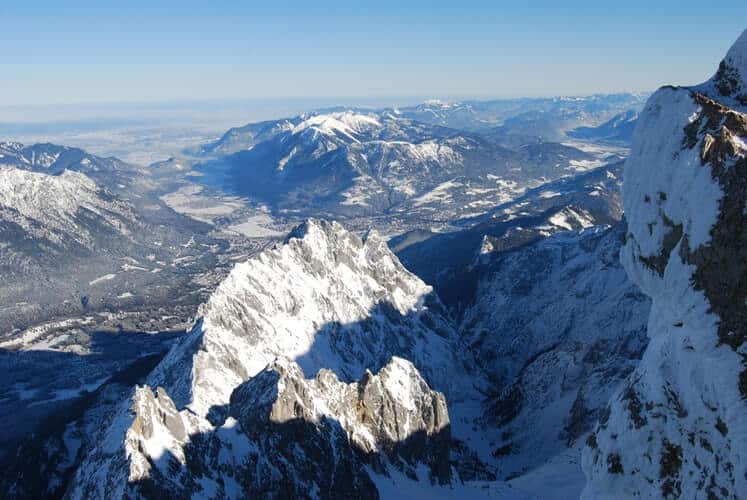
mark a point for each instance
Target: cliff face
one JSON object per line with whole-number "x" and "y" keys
{"x": 677, "y": 427}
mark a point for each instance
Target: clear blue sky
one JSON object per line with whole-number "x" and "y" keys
{"x": 86, "y": 53}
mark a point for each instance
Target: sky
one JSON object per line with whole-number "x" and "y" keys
{"x": 58, "y": 52}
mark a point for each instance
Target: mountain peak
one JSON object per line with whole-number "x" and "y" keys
{"x": 313, "y": 225}
{"x": 335, "y": 306}
{"x": 347, "y": 124}
{"x": 730, "y": 81}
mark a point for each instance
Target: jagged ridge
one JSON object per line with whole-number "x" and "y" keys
{"x": 325, "y": 299}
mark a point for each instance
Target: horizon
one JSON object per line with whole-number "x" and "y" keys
{"x": 133, "y": 112}
{"x": 83, "y": 56}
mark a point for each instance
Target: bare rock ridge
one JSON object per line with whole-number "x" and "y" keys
{"x": 289, "y": 436}
{"x": 274, "y": 391}
{"x": 677, "y": 428}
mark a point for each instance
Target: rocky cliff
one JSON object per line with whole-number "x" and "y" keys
{"x": 677, "y": 428}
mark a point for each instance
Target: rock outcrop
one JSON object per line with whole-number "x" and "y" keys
{"x": 292, "y": 437}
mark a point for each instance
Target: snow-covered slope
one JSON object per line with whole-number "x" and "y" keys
{"x": 557, "y": 325}
{"x": 677, "y": 428}
{"x": 50, "y": 207}
{"x": 328, "y": 301}
{"x": 85, "y": 237}
{"x": 111, "y": 173}
{"x": 53, "y": 159}
{"x": 245, "y": 137}
{"x": 450, "y": 261}
{"x": 130, "y": 181}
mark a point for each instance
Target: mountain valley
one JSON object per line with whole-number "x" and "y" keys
{"x": 516, "y": 298}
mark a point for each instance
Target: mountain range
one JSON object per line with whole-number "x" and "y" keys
{"x": 553, "y": 319}
{"x": 383, "y": 163}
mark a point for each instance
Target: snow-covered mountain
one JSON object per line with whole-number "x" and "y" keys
{"x": 354, "y": 163}
{"x": 324, "y": 366}
{"x": 72, "y": 243}
{"x": 457, "y": 115}
{"x": 110, "y": 173}
{"x": 58, "y": 209}
{"x": 676, "y": 429}
{"x": 53, "y": 159}
{"x": 548, "y": 117}
{"x": 232, "y": 409}
{"x": 560, "y": 117}
{"x": 245, "y": 137}
{"x": 50, "y": 223}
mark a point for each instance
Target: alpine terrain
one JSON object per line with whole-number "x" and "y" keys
{"x": 312, "y": 370}
{"x": 511, "y": 299}
{"x": 676, "y": 429}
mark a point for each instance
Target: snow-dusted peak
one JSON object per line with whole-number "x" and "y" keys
{"x": 320, "y": 227}
{"x": 52, "y": 202}
{"x": 281, "y": 393}
{"x": 312, "y": 433}
{"x": 438, "y": 103}
{"x": 54, "y": 159}
{"x": 37, "y": 195}
{"x": 335, "y": 306}
{"x": 730, "y": 81}
{"x": 345, "y": 124}
{"x": 279, "y": 302}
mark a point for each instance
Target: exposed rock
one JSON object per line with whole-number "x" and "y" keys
{"x": 288, "y": 436}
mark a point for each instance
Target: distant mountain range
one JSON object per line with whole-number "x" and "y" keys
{"x": 488, "y": 114}
{"x": 53, "y": 159}
{"x": 350, "y": 163}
